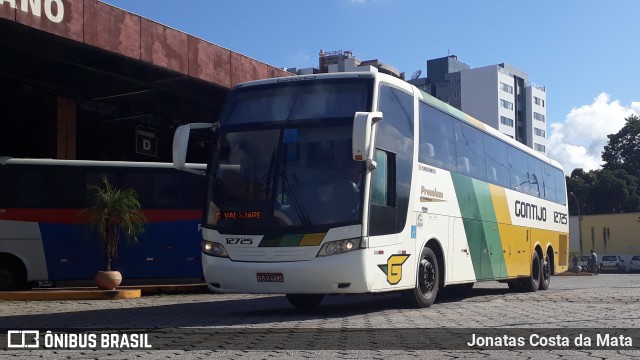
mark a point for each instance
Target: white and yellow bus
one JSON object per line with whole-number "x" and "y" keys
{"x": 361, "y": 183}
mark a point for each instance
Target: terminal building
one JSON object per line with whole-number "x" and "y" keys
{"x": 606, "y": 234}
{"x": 81, "y": 79}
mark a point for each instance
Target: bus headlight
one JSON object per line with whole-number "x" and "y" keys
{"x": 213, "y": 249}
{"x": 339, "y": 247}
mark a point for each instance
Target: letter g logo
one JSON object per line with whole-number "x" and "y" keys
{"x": 393, "y": 268}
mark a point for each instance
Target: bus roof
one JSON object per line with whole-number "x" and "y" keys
{"x": 427, "y": 98}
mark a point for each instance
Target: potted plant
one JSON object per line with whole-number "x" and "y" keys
{"x": 114, "y": 212}
{"x": 574, "y": 255}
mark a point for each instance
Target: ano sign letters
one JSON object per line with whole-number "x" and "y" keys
{"x": 53, "y": 9}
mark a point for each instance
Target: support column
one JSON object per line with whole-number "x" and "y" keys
{"x": 66, "y": 128}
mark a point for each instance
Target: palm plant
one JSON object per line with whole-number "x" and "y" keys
{"x": 574, "y": 255}
{"x": 114, "y": 212}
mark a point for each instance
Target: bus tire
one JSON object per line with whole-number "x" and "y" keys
{"x": 532, "y": 283}
{"x": 305, "y": 301}
{"x": 13, "y": 275}
{"x": 426, "y": 290}
{"x": 545, "y": 277}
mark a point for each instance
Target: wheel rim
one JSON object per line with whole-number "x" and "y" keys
{"x": 546, "y": 269}
{"x": 427, "y": 277}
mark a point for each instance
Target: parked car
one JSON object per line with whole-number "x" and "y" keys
{"x": 634, "y": 264}
{"x": 583, "y": 260}
{"x": 612, "y": 262}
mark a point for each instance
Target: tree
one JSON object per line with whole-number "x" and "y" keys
{"x": 614, "y": 192}
{"x": 115, "y": 212}
{"x": 623, "y": 148}
{"x": 580, "y": 183}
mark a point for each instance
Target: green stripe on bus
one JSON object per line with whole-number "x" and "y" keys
{"x": 283, "y": 240}
{"x": 490, "y": 226}
{"x": 291, "y": 240}
{"x": 271, "y": 241}
{"x": 481, "y": 228}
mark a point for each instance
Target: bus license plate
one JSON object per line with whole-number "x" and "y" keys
{"x": 270, "y": 277}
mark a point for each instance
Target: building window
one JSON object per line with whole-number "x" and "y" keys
{"x": 506, "y": 121}
{"x": 538, "y": 117}
{"x": 539, "y": 147}
{"x": 456, "y": 94}
{"x": 506, "y": 104}
{"x": 539, "y": 132}
{"x": 538, "y": 101}
{"x": 506, "y": 88}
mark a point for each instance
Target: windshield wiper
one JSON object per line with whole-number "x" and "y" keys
{"x": 300, "y": 210}
{"x": 266, "y": 183}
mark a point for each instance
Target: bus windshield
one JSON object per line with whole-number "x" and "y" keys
{"x": 295, "y": 101}
{"x": 283, "y": 161}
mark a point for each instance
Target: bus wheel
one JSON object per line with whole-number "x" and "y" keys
{"x": 305, "y": 301}
{"x": 12, "y": 275}
{"x": 532, "y": 283}
{"x": 545, "y": 279}
{"x": 426, "y": 290}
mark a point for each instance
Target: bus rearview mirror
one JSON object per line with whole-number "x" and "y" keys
{"x": 362, "y": 132}
{"x": 181, "y": 141}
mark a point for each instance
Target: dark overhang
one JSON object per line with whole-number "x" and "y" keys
{"x": 87, "y": 50}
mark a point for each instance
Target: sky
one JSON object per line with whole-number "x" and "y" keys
{"x": 584, "y": 52}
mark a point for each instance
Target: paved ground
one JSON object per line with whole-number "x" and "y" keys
{"x": 608, "y": 304}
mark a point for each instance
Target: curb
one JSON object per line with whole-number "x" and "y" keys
{"x": 88, "y": 293}
{"x": 571, "y": 273}
{"x": 57, "y": 294}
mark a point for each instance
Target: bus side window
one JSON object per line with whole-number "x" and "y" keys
{"x": 380, "y": 180}
{"x": 383, "y": 211}
{"x": 470, "y": 150}
{"x": 394, "y": 137}
{"x": 561, "y": 186}
{"x": 436, "y": 129}
{"x": 549, "y": 183}
{"x": 463, "y": 165}
{"x": 519, "y": 169}
{"x": 428, "y": 151}
{"x": 497, "y": 161}
{"x": 31, "y": 188}
{"x": 535, "y": 177}
{"x": 492, "y": 174}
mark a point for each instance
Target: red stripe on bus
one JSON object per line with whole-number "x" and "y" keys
{"x": 75, "y": 216}
{"x": 172, "y": 215}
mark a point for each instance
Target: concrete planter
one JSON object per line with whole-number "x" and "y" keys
{"x": 108, "y": 280}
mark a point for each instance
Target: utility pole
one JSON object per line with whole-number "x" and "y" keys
{"x": 579, "y": 219}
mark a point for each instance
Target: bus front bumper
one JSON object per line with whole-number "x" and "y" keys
{"x": 336, "y": 274}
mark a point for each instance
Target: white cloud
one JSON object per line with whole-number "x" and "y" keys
{"x": 579, "y": 140}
